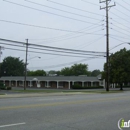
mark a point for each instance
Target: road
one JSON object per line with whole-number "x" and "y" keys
{"x": 65, "y": 112}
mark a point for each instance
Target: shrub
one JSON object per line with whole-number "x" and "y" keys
{"x": 77, "y": 86}
{"x": 8, "y": 88}
{"x": 123, "y": 86}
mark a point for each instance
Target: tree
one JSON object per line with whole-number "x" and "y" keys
{"x": 95, "y": 73}
{"x": 66, "y": 71}
{"x": 119, "y": 67}
{"x": 79, "y": 69}
{"x": 12, "y": 66}
{"x": 75, "y": 70}
{"x": 36, "y": 73}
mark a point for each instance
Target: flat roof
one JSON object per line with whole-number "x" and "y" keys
{"x": 51, "y": 78}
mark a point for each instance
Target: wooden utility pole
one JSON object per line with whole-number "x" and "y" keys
{"x": 107, "y": 39}
{"x": 0, "y": 60}
{"x": 25, "y": 77}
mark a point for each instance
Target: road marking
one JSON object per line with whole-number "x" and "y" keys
{"x": 2, "y": 126}
{"x": 51, "y": 99}
{"x": 64, "y": 103}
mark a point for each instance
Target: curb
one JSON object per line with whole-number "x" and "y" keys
{"x": 40, "y": 95}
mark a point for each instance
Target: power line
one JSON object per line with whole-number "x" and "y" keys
{"x": 120, "y": 17}
{"x": 122, "y": 12}
{"x": 117, "y": 39}
{"x": 44, "y": 52}
{"x": 64, "y": 64}
{"x": 90, "y": 3}
{"x": 45, "y": 27}
{"x": 121, "y": 23}
{"x": 61, "y": 10}
{"x": 71, "y": 37}
{"x": 120, "y": 32}
{"x": 12, "y": 41}
{"x": 84, "y": 45}
{"x": 48, "y": 12}
{"x": 66, "y": 36}
{"x": 123, "y": 6}
{"x": 54, "y": 50}
{"x": 121, "y": 28}
{"x": 126, "y": 2}
{"x": 119, "y": 36}
{"x": 74, "y": 8}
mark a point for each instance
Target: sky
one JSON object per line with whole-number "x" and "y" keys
{"x": 71, "y": 24}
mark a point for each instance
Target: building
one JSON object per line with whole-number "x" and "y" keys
{"x": 56, "y": 82}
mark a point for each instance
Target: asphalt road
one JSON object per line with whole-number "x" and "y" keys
{"x": 72, "y": 112}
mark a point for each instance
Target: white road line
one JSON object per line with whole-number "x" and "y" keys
{"x": 2, "y": 126}
{"x": 51, "y": 99}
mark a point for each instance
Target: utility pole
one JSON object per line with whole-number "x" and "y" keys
{"x": 107, "y": 38}
{"x": 25, "y": 77}
{"x": 0, "y": 60}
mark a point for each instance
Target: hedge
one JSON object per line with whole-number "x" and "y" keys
{"x": 77, "y": 86}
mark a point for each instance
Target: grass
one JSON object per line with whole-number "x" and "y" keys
{"x": 2, "y": 94}
{"x": 67, "y": 91}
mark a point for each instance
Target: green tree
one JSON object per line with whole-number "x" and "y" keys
{"x": 75, "y": 70}
{"x": 12, "y": 66}
{"x": 119, "y": 67}
{"x": 95, "y": 73}
{"x": 36, "y": 73}
{"x": 79, "y": 69}
{"x": 66, "y": 71}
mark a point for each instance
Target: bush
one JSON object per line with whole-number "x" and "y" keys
{"x": 5, "y": 88}
{"x": 123, "y": 86}
{"x": 77, "y": 86}
{"x": 8, "y": 88}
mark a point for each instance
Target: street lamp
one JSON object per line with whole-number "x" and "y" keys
{"x": 119, "y": 45}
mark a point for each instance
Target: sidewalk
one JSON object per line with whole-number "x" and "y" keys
{"x": 23, "y": 95}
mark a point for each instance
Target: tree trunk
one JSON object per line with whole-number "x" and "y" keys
{"x": 121, "y": 86}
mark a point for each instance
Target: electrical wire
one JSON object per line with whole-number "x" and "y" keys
{"x": 123, "y": 6}
{"x": 74, "y": 8}
{"x": 23, "y": 43}
{"x": 44, "y": 53}
{"x": 64, "y": 64}
{"x": 67, "y": 36}
{"x": 71, "y": 37}
{"x": 126, "y": 2}
{"x": 53, "y": 50}
{"x": 117, "y": 39}
{"x": 122, "y": 12}
{"x": 120, "y": 17}
{"x": 119, "y": 36}
{"x": 121, "y": 32}
{"x": 120, "y": 28}
{"x": 92, "y": 42}
{"x": 60, "y": 10}
{"x": 48, "y": 12}
{"x": 121, "y": 23}
{"x": 90, "y": 3}
{"x": 45, "y": 27}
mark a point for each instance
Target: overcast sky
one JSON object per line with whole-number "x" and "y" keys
{"x": 85, "y": 16}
